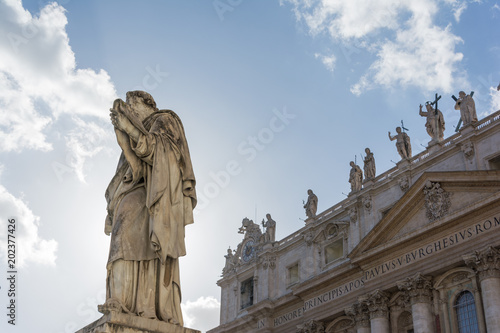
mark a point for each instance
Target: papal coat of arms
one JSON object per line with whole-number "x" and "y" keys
{"x": 437, "y": 201}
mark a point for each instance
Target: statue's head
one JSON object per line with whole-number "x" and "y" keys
{"x": 367, "y": 150}
{"x": 309, "y": 192}
{"x": 428, "y": 106}
{"x": 398, "y": 129}
{"x": 268, "y": 216}
{"x": 351, "y": 163}
{"x": 461, "y": 94}
{"x": 142, "y": 103}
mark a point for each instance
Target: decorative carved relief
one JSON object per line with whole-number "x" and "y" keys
{"x": 312, "y": 326}
{"x": 468, "y": 150}
{"x": 309, "y": 237}
{"x": 269, "y": 262}
{"x": 485, "y": 262}
{"x": 359, "y": 314}
{"x": 377, "y": 303}
{"x": 404, "y": 183}
{"x": 367, "y": 203}
{"x": 353, "y": 215}
{"x": 437, "y": 201}
{"x": 418, "y": 288}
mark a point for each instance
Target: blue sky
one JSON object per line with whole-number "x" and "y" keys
{"x": 276, "y": 97}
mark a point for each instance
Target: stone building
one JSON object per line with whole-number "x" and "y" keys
{"x": 415, "y": 250}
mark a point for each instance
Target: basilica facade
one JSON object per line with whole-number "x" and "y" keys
{"x": 415, "y": 249}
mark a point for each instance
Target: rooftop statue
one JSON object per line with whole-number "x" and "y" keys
{"x": 311, "y": 206}
{"x": 434, "y": 123}
{"x": 403, "y": 144}
{"x": 150, "y": 201}
{"x": 369, "y": 165}
{"x": 355, "y": 177}
{"x": 270, "y": 225}
{"x": 467, "y": 106}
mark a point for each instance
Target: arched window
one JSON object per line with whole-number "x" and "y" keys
{"x": 465, "y": 308}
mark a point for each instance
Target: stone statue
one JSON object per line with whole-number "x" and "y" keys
{"x": 434, "y": 123}
{"x": 229, "y": 261}
{"x": 311, "y": 205}
{"x": 150, "y": 201}
{"x": 403, "y": 144}
{"x": 270, "y": 225}
{"x": 467, "y": 106}
{"x": 355, "y": 177}
{"x": 369, "y": 166}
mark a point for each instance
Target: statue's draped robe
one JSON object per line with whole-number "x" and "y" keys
{"x": 150, "y": 201}
{"x": 435, "y": 128}
{"x": 369, "y": 166}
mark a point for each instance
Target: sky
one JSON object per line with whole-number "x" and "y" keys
{"x": 276, "y": 97}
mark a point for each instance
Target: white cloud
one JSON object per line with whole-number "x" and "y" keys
{"x": 495, "y": 98}
{"x": 85, "y": 141}
{"x": 202, "y": 314}
{"x": 30, "y": 247}
{"x": 39, "y": 81}
{"x": 411, "y": 49}
{"x": 328, "y": 61}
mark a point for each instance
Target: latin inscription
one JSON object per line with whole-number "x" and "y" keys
{"x": 391, "y": 265}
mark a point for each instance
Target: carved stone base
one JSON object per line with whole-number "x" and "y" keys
{"x": 113, "y": 322}
{"x": 434, "y": 146}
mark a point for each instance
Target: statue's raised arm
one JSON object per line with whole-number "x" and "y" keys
{"x": 150, "y": 200}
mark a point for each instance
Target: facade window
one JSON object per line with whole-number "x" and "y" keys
{"x": 465, "y": 309}
{"x": 293, "y": 274}
{"x": 495, "y": 163}
{"x": 334, "y": 250}
{"x": 246, "y": 293}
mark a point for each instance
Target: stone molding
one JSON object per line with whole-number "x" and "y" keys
{"x": 312, "y": 326}
{"x": 485, "y": 262}
{"x": 418, "y": 288}
{"x": 377, "y": 303}
{"x": 359, "y": 314}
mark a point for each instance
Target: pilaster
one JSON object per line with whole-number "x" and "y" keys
{"x": 486, "y": 263}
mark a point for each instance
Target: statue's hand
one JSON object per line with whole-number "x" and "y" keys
{"x": 119, "y": 120}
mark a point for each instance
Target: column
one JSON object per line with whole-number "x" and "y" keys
{"x": 419, "y": 289}
{"x": 377, "y": 303}
{"x": 486, "y": 263}
{"x": 359, "y": 313}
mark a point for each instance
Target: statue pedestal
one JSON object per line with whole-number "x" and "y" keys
{"x": 467, "y": 129}
{"x": 434, "y": 146}
{"x": 114, "y": 322}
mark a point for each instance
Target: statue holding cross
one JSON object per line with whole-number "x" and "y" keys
{"x": 467, "y": 106}
{"x": 435, "y": 120}
{"x": 403, "y": 144}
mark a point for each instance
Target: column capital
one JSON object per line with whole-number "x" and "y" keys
{"x": 377, "y": 303}
{"x": 359, "y": 313}
{"x": 417, "y": 287}
{"x": 486, "y": 262}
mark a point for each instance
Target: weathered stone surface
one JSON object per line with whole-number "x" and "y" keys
{"x": 114, "y": 322}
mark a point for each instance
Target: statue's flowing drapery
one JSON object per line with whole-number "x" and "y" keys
{"x": 150, "y": 201}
